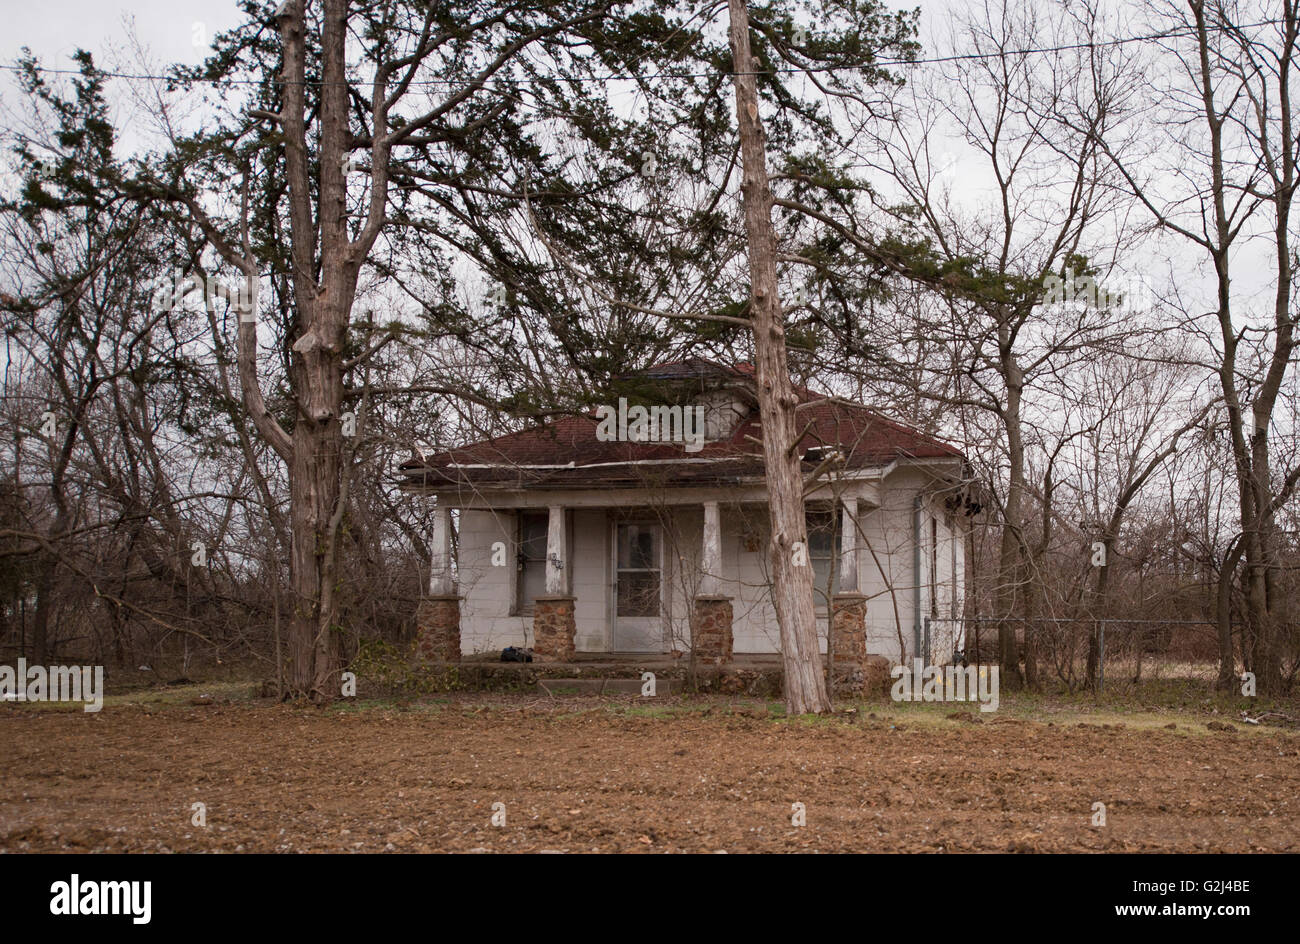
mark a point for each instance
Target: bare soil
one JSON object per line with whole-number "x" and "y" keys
{"x": 617, "y": 775}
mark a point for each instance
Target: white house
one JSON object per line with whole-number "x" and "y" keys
{"x": 642, "y": 528}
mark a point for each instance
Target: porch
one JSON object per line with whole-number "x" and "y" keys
{"x": 666, "y": 584}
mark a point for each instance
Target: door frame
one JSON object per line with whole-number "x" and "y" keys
{"x": 617, "y": 518}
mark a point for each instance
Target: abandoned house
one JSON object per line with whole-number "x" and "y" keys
{"x": 642, "y": 529}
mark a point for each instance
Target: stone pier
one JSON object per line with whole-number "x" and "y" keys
{"x": 437, "y": 635}
{"x": 553, "y": 629}
{"x": 713, "y": 615}
{"x": 849, "y": 630}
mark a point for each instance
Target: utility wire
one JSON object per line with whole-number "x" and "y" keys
{"x": 1174, "y": 33}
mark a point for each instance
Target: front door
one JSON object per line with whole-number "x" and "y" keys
{"x": 638, "y": 587}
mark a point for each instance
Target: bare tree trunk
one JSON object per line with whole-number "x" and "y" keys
{"x": 792, "y": 577}
{"x": 314, "y": 451}
{"x": 44, "y": 603}
{"x": 1100, "y": 601}
{"x": 1251, "y": 456}
{"x": 313, "y": 494}
{"x": 60, "y": 459}
{"x": 1011, "y": 555}
{"x": 1227, "y": 662}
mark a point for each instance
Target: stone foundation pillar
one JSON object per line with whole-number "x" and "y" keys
{"x": 713, "y": 628}
{"x": 849, "y": 630}
{"x": 437, "y": 629}
{"x": 553, "y": 629}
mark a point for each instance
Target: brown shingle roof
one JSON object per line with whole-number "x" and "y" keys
{"x": 565, "y": 453}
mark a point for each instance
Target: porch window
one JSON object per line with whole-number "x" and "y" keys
{"x": 824, "y": 555}
{"x": 531, "y": 560}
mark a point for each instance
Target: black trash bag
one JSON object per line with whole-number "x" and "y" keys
{"x": 512, "y": 654}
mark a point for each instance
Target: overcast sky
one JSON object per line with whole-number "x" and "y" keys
{"x": 181, "y": 31}
{"x": 55, "y": 28}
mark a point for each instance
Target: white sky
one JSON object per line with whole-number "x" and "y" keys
{"x": 54, "y": 29}
{"x": 180, "y": 31}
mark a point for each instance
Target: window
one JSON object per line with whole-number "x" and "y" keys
{"x": 531, "y": 560}
{"x": 638, "y": 570}
{"x": 824, "y": 555}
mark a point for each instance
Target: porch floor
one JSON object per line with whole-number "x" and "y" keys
{"x": 625, "y": 660}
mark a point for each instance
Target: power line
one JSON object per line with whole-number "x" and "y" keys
{"x": 1174, "y": 33}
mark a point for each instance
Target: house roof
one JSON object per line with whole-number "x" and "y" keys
{"x": 566, "y": 453}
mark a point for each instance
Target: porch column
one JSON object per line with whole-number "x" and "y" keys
{"x": 438, "y": 618}
{"x": 441, "y": 581}
{"x": 713, "y": 612}
{"x": 849, "y": 546}
{"x": 711, "y": 552}
{"x": 553, "y": 623}
{"x": 557, "y": 554}
{"x": 849, "y": 607}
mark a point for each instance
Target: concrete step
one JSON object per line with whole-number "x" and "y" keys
{"x": 604, "y": 686}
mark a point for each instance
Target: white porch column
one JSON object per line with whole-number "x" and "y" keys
{"x": 711, "y": 637}
{"x": 849, "y": 547}
{"x": 711, "y": 553}
{"x": 557, "y": 554}
{"x": 441, "y": 581}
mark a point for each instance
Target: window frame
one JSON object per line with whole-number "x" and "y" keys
{"x": 658, "y": 569}
{"x": 522, "y": 606}
{"x": 821, "y": 604}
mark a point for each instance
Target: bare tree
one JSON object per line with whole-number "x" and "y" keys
{"x": 1227, "y": 116}
{"x": 1018, "y": 283}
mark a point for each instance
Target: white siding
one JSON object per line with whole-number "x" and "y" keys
{"x": 885, "y": 575}
{"x": 591, "y": 580}
{"x": 487, "y": 591}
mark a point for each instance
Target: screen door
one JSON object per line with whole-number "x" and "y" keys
{"x": 638, "y": 594}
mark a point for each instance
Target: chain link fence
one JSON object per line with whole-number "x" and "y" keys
{"x": 1112, "y": 654}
